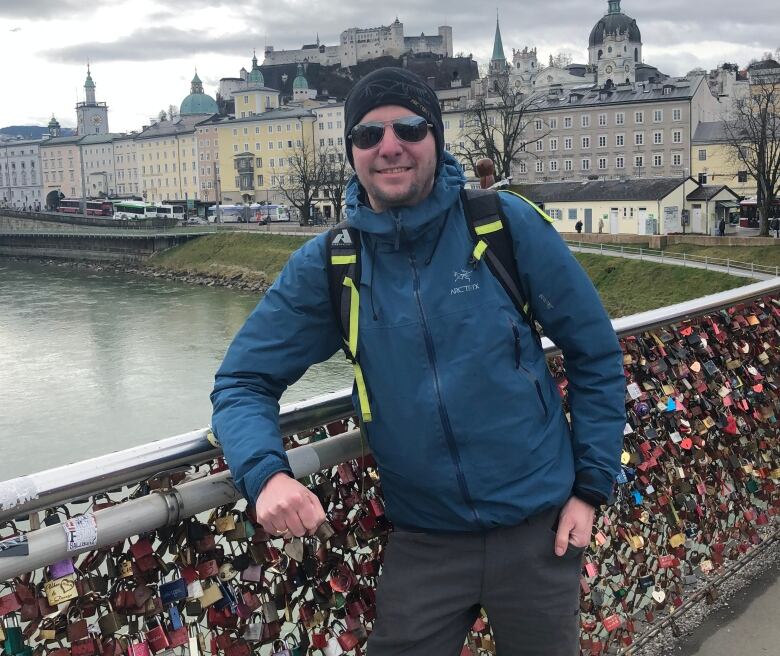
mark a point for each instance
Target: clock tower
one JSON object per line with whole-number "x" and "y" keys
{"x": 91, "y": 116}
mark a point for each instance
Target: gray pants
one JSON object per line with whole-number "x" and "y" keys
{"x": 433, "y": 586}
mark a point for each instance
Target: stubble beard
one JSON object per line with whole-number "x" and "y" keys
{"x": 415, "y": 193}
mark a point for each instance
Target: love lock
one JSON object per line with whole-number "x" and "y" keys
{"x": 227, "y": 572}
{"x": 659, "y": 595}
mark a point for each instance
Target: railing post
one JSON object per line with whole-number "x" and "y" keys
{"x": 728, "y": 265}
{"x": 640, "y": 252}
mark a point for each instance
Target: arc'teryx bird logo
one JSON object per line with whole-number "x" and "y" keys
{"x": 464, "y": 275}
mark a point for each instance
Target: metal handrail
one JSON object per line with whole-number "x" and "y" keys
{"x": 49, "y": 543}
{"x": 55, "y": 486}
{"x": 728, "y": 263}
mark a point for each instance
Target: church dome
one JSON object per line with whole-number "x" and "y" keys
{"x": 613, "y": 23}
{"x": 300, "y": 81}
{"x": 198, "y": 102}
{"x": 255, "y": 77}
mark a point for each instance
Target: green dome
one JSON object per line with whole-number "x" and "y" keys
{"x": 300, "y": 81}
{"x": 54, "y": 123}
{"x": 255, "y": 76}
{"x": 198, "y": 102}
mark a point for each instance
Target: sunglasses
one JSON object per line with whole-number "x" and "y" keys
{"x": 411, "y": 129}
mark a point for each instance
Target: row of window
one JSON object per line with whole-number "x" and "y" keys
{"x": 270, "y": 129}
{"x": 620, "y": 140}
{"x": 165, "y": 168}
{"x": 657, "y": 160}
{"x": 168, "y": 183}
{"x": 12, "y": 166}
{"x": 619, "y": 119}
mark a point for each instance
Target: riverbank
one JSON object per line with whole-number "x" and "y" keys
{"x": 252, "y": 262}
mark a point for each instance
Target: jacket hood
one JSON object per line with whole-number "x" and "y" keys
{"x": 406, "y": 222}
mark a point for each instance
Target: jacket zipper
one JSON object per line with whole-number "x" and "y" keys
{"x": 445, "y": 420}
{"x": 518, "y": 365}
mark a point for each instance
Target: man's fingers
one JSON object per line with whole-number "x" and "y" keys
{"x": 562, "y": 538}
{"x": 311, "y": 514}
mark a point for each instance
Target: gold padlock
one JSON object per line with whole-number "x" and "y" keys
{"x": 211, "y": 595}
{"x": 224, "y": 523}
{"x": 677, "y": 540}
{"x": 61, "y": 590}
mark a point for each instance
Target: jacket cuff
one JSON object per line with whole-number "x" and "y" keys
{"x": 255, "y": 482}
{"x": 588, "y": 486}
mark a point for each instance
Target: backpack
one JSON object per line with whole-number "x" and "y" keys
{"x": 489, "y": 230}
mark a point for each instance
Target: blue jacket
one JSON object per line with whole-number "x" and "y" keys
{"x": 468, "y": 427}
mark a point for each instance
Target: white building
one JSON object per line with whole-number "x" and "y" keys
{"x": 97, "y": 157}
{"x": 361, "y": 44}
{"x": 20, "y": 174}
{"x": 126, "y": 166}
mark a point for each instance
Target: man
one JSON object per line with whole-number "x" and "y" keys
{"x": 492, "y": 493}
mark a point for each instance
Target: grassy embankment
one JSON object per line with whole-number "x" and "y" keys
{"x": 626, "y": 286}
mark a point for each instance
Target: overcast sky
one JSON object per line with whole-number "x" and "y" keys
{"x": 143, "y": 53}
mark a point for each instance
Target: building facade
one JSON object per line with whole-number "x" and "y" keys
{"x": 61, "y": 166}
{"x": 21, "y": 185}
{"x": 715, "y": 162}
{"x": 128, "y": 182}
{"x": 97, "y": 155}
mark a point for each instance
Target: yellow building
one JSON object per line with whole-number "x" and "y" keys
{"x": 61, "y": 168}
{"x": 166, "y": 155}
{"x": 254, "y": 152}
{"x": 255, "y": 98}
{"x": 714, "y": 161}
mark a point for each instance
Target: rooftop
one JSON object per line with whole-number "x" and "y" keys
{"x": 708, "y": 192}
{"x": 597, "y": 190}
{"x": 708, "y": 132}
{"x": 179, "y": 125}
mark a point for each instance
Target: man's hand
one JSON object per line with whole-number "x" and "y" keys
{"x": 284, "y": 506}
{"x": 575, "y": 525}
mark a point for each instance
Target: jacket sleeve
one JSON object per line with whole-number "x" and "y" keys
{"x": 566, "y": 304}
{"x": 291, "y": 328}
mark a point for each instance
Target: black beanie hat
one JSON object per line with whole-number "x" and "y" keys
{"x": 393, "y": 86}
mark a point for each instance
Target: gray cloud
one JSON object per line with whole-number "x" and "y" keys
{"x": 44, "y": 9}
{"x": 664, "y": 24}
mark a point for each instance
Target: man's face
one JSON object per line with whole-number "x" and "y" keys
{"x": 395, "y": 172}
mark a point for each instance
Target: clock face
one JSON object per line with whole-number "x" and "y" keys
{"x": 97, "y": 120}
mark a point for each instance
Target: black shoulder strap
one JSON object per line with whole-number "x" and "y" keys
{"x": 487, "y": 224}
{"x": 343, "y": 260}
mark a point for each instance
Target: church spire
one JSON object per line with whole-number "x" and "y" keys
{"x": 614, "y": 6}
{"x": 498, "y": 46}
{"x": 89, "y": 88}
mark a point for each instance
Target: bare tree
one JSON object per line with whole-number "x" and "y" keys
{"x": 162, "y": 116}
{"x": 336, "y": 175}
{"x": 497, "y": 126}
{"x": 173, "y": 111}
{"x": 301, "y": 180}
{"x": 753, "y": 134}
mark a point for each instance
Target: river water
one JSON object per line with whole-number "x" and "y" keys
{"x": 93, "y": 362}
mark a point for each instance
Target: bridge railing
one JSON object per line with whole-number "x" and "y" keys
{"x": 168, "y": 555}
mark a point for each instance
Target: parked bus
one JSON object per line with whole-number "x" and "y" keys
{"x": 748, "y": 212}
{"x": 254, "y": 213}
{"x": 70, "y": 206}
{"x": 272, "y": 213}
{"x": 100, "y": 208}
{"x": 171, "y": 212}
{"x": 134, "y": 210}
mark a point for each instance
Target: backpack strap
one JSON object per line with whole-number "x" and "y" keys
{"x": 489, "y": 229}
{"x": 343, "y": 262}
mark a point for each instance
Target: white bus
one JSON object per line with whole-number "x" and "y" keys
{"x": 134, "y": 210}
{"x": 170, "y": 212}
{"x": 254, "y": 213}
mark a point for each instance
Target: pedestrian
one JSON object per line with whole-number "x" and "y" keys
{"x": 601, "y": 225}
{"x": 578, "y": 226}
{"x": 776, "y": 227}
{"x": 722, "y": 227}
{"x": 491, "y": 492}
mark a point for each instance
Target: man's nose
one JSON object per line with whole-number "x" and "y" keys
{"x": 390, "y": 144}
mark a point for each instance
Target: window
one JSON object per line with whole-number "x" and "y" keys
{"x": 553, "y": 144}
{"x": 270, "y": 129}
{"x": 742, "y": 176}
{"x": 461, "y": 123}
{"x": 677, "y": 136}
{"x": 539, "y": 166}
{"x": 602, "y": 163}
{"x": 554, "y": 165}
{"x": 567, "y": 121}
{"x": 235, "y": 148}
{"x": 259, "y": 180}
{"x": 553, "y": 123}
{"x": 703, "y": 178}
{"x": 322, "y": 143}
{"x": 246, "y": 130}
{"x": 702, "y": 154}
{"x": 523, "y": 167}
{"x": 246, "y": 99}
{"x": 585, "y": 120}
{"x": 658, "y": 116}
{"x": 246, "y": 147}
{"x": 676, "y": 159}
{"x": 270, "y": 145}
{"x": 585, "y": 143}
{"x": 619, "y": 162}
{"x": 620, "y": 140}
{"x": 572, "y": 214}
{"x": 321, "y": 125}
{"x": 235, "y": 132}
{"x": 658, "y": 159}
{"x": 602, "y": 141}
{"x": 257, "y": 131}
{"x": 620, "y": 118}
{"x": 639, "y": 138}
{"x": 677, "y": 115}
{"x": 447, "y": 124}
{"x": 639, "y": 117}
{"x": 539, "y": 145}
{"x": 257, "y": 145}
{"x": 538, "y": 124}
{"x": 567, "y": 143}
{"x": 639, "y": 161}
{"x": 258, "y": 162}
{"x": 658, "y": 137}
{"x": 568, "y": 165}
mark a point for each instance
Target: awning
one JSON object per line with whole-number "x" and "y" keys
{"x": 727, "y": 203}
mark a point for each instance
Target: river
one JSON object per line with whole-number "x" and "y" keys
{"x": 93, "y": 362}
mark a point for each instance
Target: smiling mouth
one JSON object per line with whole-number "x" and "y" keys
{"x": 397, "y": 169}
